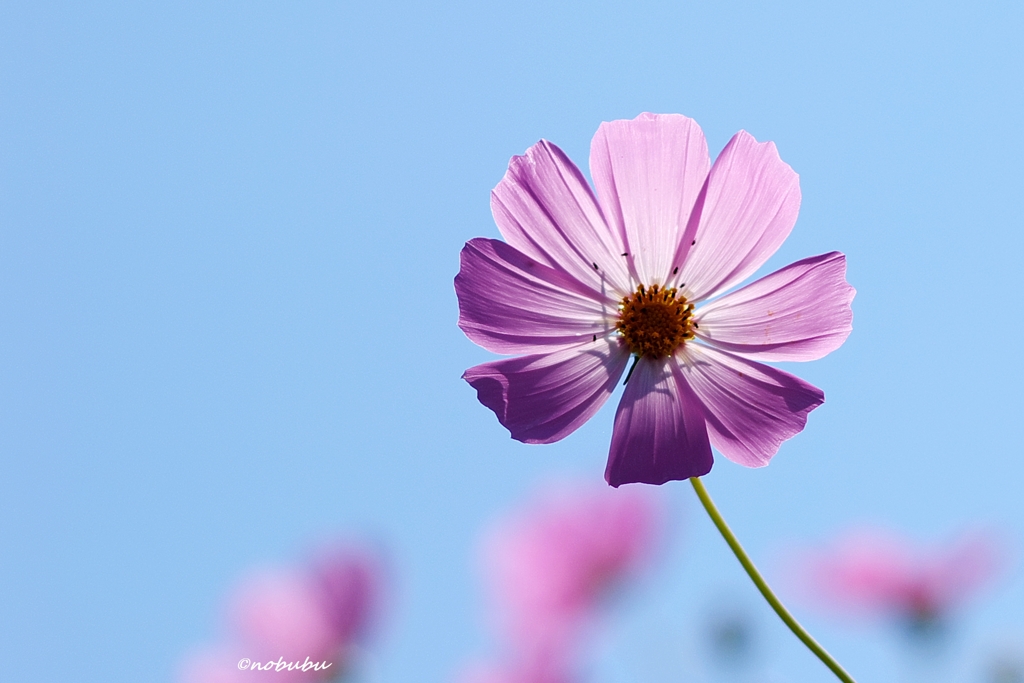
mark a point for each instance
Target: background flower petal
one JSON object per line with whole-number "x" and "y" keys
{"x": 510, "y": 303}
{"x": 749, "y": 209}
{"x": 801, "y": 312}
{"x": 875, "y": 570}
{"x": 958, "y": 571}
{"x": 279, "y": 613}
{"x": 750, "y": 408}
{"x": 552, "y": 564}
{"x": 659, "y": 432}
{"x": 648, "y": 173}
{"x": 545, "y": 209}
{"x": 545, "y": 397}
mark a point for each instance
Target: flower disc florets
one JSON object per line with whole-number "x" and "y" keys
{"x": 655, "y": 322}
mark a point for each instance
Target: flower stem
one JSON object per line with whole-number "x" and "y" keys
{"x": 762, "y": 586}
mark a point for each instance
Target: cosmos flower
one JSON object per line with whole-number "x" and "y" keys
{"x": 875, "y": 572}
{"x": 550, "y": 565}
{"x": 585, "y": 281}
{"x": 535, "y": 671}
{"x": 315, "y": 613}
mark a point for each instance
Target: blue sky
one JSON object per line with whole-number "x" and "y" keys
{"x": 228, "y": 233}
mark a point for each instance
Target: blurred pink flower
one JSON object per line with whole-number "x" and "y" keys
{"x": 551, "y": 564}
{"x": 875, "y": 572}
{"x": 348, "y": 584}
{"x": 315, "y": 614}
{"x": 531, "y": 669}
{"x": 280, "y": 613}
{"x": 216, "y": 665}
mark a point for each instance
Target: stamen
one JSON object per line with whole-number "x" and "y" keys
{"x": 636, "y": 359}
{"x": 655, "y": 322}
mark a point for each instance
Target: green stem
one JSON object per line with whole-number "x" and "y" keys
{"x": 762, "y": 586}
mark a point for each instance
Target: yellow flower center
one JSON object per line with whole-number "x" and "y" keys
{"x": 655, "y": 322}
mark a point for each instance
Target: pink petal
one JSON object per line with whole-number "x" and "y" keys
{"x": 218, "y": 665}
{"x": 553, "y": 563}
{"x": 750, "y": 408}
{"x": 545, "y": 209}
{"x": 648, "y": 173}
{"x": 659, "y": 432}
{"x": 875, "y": 570}
{"x": 960, "y": 570}
{"x": 279, "y": 613}
{"x": 751, "y": 204}
{"x": 510, "y": 303}
{"x": 545, "y": 397}
{"x": 530, "y": 667}
{"x": 801, "y": 312}
{"x": 348, "y": 585}
{"x": 871, "y": 570}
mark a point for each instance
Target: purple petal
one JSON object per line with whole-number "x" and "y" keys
{"x": 648, "y": 173}
{"x": 545, "y": 397}
{"x": 751, "y": 203}
{"x": 750, "y": 408}
{"x": 510, "y": 303}
{"x": 545, "y": 209}
{"x": 801, "y": 312}
{"x": 659, "y": 432}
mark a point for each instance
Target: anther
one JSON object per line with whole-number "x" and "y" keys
{"x": 636, "y": 359}
{"x": 654, "y": 322}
